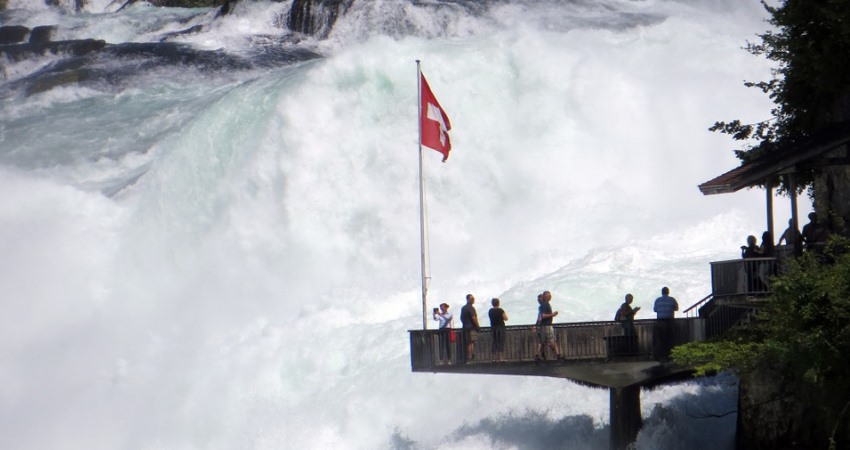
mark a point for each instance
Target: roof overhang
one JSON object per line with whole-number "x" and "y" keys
{"x": 782, "y": 160}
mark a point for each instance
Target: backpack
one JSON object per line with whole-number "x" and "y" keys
{"x": 620, "y": 316}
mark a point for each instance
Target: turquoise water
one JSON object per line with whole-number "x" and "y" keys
{"x": 230, "y": 258}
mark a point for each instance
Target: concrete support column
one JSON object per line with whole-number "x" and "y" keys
{"x": 625, "y": 416}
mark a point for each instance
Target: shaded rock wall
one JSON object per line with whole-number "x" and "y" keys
{"x": 832, "y": 194}
{"x": 831, "y": 186}
{"x": 776, "y": 414}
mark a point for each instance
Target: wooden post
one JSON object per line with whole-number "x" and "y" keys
{"x": 792, "y": 188}
{"x": 624, "y": 416}
{"x": 769, "y": 190}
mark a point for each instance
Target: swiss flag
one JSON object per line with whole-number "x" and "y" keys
{"x": 434, "y": 127}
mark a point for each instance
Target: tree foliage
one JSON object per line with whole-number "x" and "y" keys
{"x": 804, "y": 327}
{"x": 803, "y": 332}
{"x": 810, "y": 44}
{"x": 709, "y": 358}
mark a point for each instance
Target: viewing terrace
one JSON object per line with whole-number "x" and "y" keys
{"x": 599, "y": 354}
{"x": 595, "y": 353}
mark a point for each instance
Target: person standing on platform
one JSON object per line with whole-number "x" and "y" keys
{"x": 791, "y": 237}
{"x": 536, "y": 330}
{"x": 767, "y": 249}
{"x": 751, "y": 250}
{"x": 545, "y": 329}
{"x": 626, "y": 315}
{"x": 444, "y": 317}
{"x": 814, "y": 234}
{"x": 469, "y": 320}
{"x": 750, "y": 268}
{"x": 666, "y": 306}
{"x": 498, "y": 317}
{"x": 765, "y": 268}
{"x": 664, "y": 332}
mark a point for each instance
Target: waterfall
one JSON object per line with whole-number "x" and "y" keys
{"x": 210, "y": 224}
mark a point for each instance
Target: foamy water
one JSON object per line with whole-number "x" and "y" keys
{"x": 231, "y": 259}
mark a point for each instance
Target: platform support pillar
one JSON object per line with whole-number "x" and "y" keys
{"x": 625, "y": 416}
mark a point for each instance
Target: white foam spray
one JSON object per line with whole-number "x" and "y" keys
{"x": 254, "y": 286}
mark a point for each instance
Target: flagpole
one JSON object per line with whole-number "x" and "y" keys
{"x": 422, "y": 237}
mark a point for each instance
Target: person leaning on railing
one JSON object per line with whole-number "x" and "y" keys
{"x": 749, "y": 251}
{"x": 498, "y": 317}
{"x": 665, "y": 308}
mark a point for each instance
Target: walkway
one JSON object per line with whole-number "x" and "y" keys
{"x": 596, "y": 353}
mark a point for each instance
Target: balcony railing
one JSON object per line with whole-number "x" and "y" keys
{"x": 744, "y": 276}
{"x": 585, "y": 341}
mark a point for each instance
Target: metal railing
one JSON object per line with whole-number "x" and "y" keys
{"x": 744, "y": 276}
{"x": 694, "y": 310}
{"x": 720, "y": 317}
{"x": 585, "y": 341}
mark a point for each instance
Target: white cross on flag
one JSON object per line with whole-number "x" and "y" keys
{"x": 434, "y": 127}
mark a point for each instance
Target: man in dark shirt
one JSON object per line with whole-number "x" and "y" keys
{"x": 469, "y": 319}
{"x": 498, "y": 316}
{"x": 814, "y": 234}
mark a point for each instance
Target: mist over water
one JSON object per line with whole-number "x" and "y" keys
{"x": 230, "y": 259}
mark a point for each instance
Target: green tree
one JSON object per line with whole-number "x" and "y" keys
{"x": 804, "y": 327}
{"x": 803, "y": 332}
{"x": 810, "y": 84}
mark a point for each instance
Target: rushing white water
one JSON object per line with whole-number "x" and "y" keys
{"x": 231, "y": 259}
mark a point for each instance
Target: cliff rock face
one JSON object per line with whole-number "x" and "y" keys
{"x": 831, "y": 189}
{"x": 832, "y": 183}
{"x": 775, "y": 414}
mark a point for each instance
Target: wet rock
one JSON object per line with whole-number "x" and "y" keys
{"x": 170, "y": 53}
{"x": 190, "y": 30}
{"x": 315, "y": 17}
{"x": 42, "y": 34}
{"x": 223, "y": 10}
{"x": 99, "y": 65}
{"x": 13, "y": 34}
{"x": 50, "y": 81}
{"x": 20, "y": 52}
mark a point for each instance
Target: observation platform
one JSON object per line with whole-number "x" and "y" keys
{"x": 598, "y": 354}
{"x": 595, "y": 353}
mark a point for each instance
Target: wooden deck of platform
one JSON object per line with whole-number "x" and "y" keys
{"x": 595, "y": 353}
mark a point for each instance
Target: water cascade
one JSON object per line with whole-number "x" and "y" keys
{"x": 210, "y": 222}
